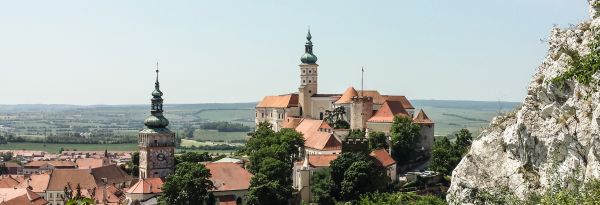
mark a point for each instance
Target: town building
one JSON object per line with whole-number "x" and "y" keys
{"x": 231, "y": 182}
{"x": 156, "y": 142}
{"x": 44, "y": 166}
{"x": 20, "y": 196}
{"x": 362, "y": 109}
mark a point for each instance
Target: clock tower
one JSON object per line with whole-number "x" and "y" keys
{"x": 156, "y": 142}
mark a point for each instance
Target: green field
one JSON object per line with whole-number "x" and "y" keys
{"x": 213, "y": 135}
{"x": 53, "y": 148}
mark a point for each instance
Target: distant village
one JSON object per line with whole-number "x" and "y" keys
{"x": 329, "y": 124}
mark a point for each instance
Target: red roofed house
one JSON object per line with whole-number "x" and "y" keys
{"x": 43, "y": 166}
{"x": 13, "y": 168}
{"x": 60, "y": 178}
{"x": 231, "y": 182}
{"x": 20, "y": 196}
{"x": 365, "y": 109}
{"x": 303, "y": 170}
{"x": 10, "y": 181}
{"x": 144, "y": 190}
{"x": 385, "y": 160}
{"x": 318, "y": 137}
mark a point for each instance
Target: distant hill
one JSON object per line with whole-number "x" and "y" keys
{"x": 462, "y": 104}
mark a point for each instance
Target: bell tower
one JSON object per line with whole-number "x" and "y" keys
{"x": 308, "y": 78}
{"x": 156, "y": 142}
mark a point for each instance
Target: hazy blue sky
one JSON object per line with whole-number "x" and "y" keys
{"x": 103, "y": 52}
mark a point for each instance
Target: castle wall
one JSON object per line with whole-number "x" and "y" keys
{"x": 427, "y": 135}
{"x": 362, "y": 110}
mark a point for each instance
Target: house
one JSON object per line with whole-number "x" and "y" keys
{"x": 231, "y": 182}
{"x": 11, "y": 181}
{"x": 20, "y": 196}
{"x": 386, "y": 161}
{"x": 144, "y": 191}
{"x": 61, "y": 178}
{"x": 318, "y": 136}
{"x": 111, "y": 175}
{"x": 89, "y": 163}
{"x": 38, "y": 183}
{"x": 43, "y": 166}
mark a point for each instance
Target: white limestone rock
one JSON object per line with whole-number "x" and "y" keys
{"x": 552, "y": 139}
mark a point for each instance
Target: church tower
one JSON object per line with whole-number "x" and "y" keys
{"x": 308, "y": 78}
{"x": 156, "y": 142}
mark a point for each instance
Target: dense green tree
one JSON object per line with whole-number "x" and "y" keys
{"x": 193, "y": 157}
{"x": 356, "y": 133}
{"x": 321, "y": 187}
{"x": 135, "y": 158}
{"x": 444, "y": 157}
{"x": 3, "y": 169}
{"x": 8, "y": 156}
{"x": 399, "y": 198}
{"x": 264, "y": 191}
{"x": 275, "y": 170}
{"x": 406, "y": 137}
{"x": 378, "y": 140}
{"x": 463, "y": 141}
{"x": 190, "y": 184}
{"x": 355, "y": 173}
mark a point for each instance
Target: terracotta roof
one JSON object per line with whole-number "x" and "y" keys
{"x": 229, "y": 176}
{"x": 60, "y": 177}
{"x": 113, "y": 195}
{"x": 388, "y": 111}
{"x": 147, "y": 186}
{"x": 37, "y": 182}
{"x": 383, "y": 157}
{"x": 292, "y": 122}
{"x": 317, "y": 135}
{"x": 321, "y": 160}
{"x": 21, "y": 196}
{"x": 347, "y": 96}
{"x": 281, "y": 101}
{"x": 58, "y": 164}
{"x": 227, "y": 200}
{"x": 89, "y": 163}
{"x": 113, "y": 173}
{"x": 10, "y": 181}
{"x": 421, "y": 118}
{"x": 405, "y": 102}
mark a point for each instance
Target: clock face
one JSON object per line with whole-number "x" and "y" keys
{"x": 160, "y": 157}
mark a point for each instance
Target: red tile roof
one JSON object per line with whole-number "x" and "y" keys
{"x": 21, "y": 196}
{"x": 405, "y": 103}
{"x": 147, "y": 186}
{"x": 56, "y": 164}
{"x": 229, "y": 176}
{"x": 291, "y": 122}
{"x": 421, "y": 118}
{"x": 281, "y": 101}
{"x": 11, "y": 165}
{"x": 347, "y": 96}
{"x": 321, "y": 160}
{"x": 60, "y": 177}
{"x": 113, "y": 173}
{"x": 11, "y": 181}
{"x": 89, "y": 163}
{"x": 383, "y": 157}
{"x": 388, "y": 111}
{"x": 37, "y": 182}
{"x": 317, "y": 135}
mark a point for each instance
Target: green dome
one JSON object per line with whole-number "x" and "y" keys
{"x": 308, "y": 58}
{"x": 156, "y": 121}
{"x": 157, "y": 93}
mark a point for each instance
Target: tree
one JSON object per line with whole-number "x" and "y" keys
{"x": 444, "y": 157}
{"x": 399, "y": 198}
{"x": 3, "y": 169}
{"x": 378, "y": 140}
{"x": 322, "y": 185}
{"x": 406, "y": 137}
{"x": 463, "y": 141}
{"x": 7, "y": 156}
{"x": 335, "y": 118}
{"x": 276, "y": 170}
{"x": 264, "y": 191}
{"x": 135, "y": 158}
{"x": 356, "y": 133}
{"x": 355, "y": 173}
{"x": 190, "y": 184}
{"x": 193, "y": 157}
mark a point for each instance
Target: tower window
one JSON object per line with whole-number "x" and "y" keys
{"x": 309, "y": 71}
{"x": 310, "y": 81}
{"x": 310, "y": 91}
{"x": 303, "y": 71}
{"x": 303, "y": 81}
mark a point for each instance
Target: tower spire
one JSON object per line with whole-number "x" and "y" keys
{"x": 156, "y": 118}
{"x": 308, "y": 57}
{"x": 156, "y": 73}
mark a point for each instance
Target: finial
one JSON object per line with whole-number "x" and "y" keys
{"x": 156, "y": 72}
{"x": 308, "y": 36}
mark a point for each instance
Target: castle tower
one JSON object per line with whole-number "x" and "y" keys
{"x": 308, "y": 78}
{"x": 361, "y": 111}
{"x": 156, "y": 142}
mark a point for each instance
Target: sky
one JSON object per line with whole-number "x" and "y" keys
{"x": 104, "y": 52}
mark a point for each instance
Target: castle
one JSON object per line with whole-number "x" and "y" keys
{"x": 307, "y": 109}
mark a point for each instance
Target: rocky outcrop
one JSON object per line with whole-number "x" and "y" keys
{"x": 552, "y": 140}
